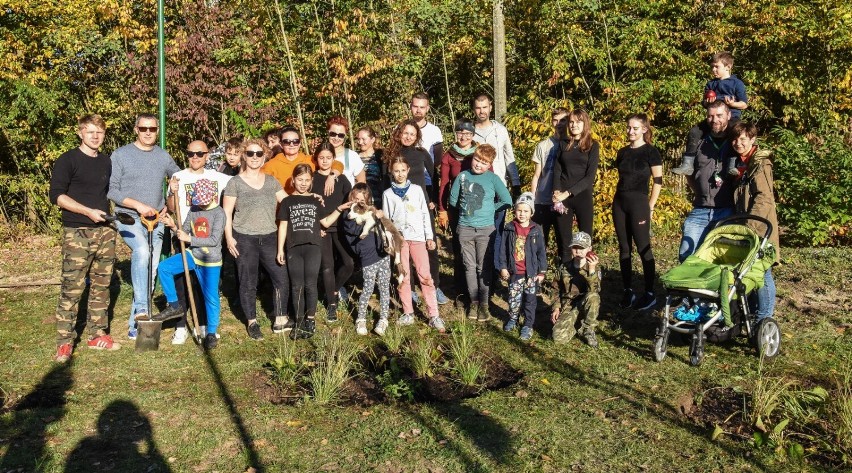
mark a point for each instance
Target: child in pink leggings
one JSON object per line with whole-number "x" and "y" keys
{"x": 405, "y": 204}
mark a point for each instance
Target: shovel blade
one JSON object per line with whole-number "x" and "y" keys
{"x": 148, "y": 335}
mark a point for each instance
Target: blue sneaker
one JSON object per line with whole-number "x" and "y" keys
{"x": 415, "y": 299}
{"x": 526, "y": 333}
{"x": 342, "y": 295}
{"x": 442, "y": 299}
{"x": 131, "y": 334}
{"x": 510, "y": 325}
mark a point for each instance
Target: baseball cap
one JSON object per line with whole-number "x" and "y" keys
{"x": 581, "y": 239}
{"x": 527, "y": 199}
{"x": 463, "y": 124}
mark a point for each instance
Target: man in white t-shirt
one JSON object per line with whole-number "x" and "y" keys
{"x": 197, "y": 154}
{"x": 432, "y": 141}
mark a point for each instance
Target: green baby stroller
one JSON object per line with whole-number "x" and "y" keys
{"x": 713, "y": 285}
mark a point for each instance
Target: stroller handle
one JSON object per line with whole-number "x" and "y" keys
{"x": 734, "y": 218}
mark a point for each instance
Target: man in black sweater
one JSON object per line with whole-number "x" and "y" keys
{"x": 79, "y": 185}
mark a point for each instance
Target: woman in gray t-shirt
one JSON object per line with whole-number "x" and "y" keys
{"x": 250, "y": 202}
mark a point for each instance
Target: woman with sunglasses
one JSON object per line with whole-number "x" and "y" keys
{"x": 282, "y": 164}
{"x": 250, "y": 203}
{"x": 353, "y": 167}
{"x": 403, "y": 143}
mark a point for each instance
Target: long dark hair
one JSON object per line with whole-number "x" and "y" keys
{"x": 324, "y": 146}
{"x": 585, "y": 141}
{"x": 394, "y": 148}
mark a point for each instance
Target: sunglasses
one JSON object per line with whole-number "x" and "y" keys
{"x": 332, "y": 134}
{"x": 254, "y": 154}
{"x": 291, "y": 142}
{"x": 146, "y": 129}
{"x": 196, "y": 154}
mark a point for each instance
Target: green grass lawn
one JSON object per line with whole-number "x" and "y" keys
{"x": 575, "y": 409}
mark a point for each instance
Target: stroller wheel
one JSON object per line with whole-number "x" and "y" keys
{"x": 661, "y": 344}
{"x": 768, "y": 339}
{"x": 696, "y": 349}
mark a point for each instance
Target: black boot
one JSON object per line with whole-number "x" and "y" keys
{"x": 171, "y": 312}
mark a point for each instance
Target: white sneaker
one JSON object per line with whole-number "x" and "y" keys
{"x": 406, "y": 319}
{"x": 380, "y": 327}
{"x": 361, "y": 327}
{"x": 180, "y": 336}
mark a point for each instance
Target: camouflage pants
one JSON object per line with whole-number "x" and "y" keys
{"x": 85, "y": 251}
{"x": 588, "y": 305}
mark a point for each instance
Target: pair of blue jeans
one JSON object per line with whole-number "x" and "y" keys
{"x": 696, "y": 226}
{"x": 208, "y": 279}
{"x": 762, "y": 300}
{"x": 136, "y": 238}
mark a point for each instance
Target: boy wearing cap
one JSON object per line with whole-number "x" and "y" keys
{"x": 522, "y": 261}
{"x": 203, "y": 230}
{"x": 579, "y": 286}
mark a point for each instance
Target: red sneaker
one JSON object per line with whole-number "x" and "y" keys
{"x": 63, "y": 353}
{"x": 104, "y": 342}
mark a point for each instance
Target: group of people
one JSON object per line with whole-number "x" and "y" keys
{"x": 304, "y": 218}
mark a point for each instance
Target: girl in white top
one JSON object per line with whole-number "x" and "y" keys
{"x": 405, "y": 204}
{"x": 353, "y": 167}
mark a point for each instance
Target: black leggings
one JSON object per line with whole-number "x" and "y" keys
{"x": 303, "y": 263}
{"x": 344, "y": 257}
{"x": 327, "y": 268}
{"x": 581, "y": 205}
{"x": 260, "y": 250}
{"x": 631, "y": 217}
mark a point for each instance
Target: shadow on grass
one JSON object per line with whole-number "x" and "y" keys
{"x": 115, "y": 447}
{"x": 245, "y": 436}
{"x": 29, "y": 420}
{"x": 640, "y": 401}
{"x": 489, "y": 437}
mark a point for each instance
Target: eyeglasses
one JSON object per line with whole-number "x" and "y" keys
{"x": 147, "y": 129}
{"x": 332, "y": 134}
{"x": 254, "y": 154}
{"x": 196, "y": 154}
{"x": 291, "y": 142}
{"x": 464, "y": 133}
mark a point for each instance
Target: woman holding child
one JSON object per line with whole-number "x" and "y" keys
{"x": 574, "y": 174}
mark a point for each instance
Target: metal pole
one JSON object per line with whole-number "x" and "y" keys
{"x": 161, "y": 66}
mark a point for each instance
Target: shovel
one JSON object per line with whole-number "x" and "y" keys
{"x": 148, "y": 336}
{"x": 189, "y": 291}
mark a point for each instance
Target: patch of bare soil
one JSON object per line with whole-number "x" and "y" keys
{"x": 374, "y": 384}
{"x": 721, "y": 406}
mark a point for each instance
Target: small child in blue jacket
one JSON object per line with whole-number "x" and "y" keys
{"x": 522, "y": 261}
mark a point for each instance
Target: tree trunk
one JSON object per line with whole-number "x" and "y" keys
{"x": 499, "y": 62}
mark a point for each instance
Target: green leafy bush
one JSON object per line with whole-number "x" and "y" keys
{"x": 813, "y": 175}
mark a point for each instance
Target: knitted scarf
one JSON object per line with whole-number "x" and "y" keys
{"x": 400, "y": 189}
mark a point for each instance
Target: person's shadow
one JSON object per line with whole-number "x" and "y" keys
{"x": 122, "y": 430}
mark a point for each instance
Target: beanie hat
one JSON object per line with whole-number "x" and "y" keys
{"x": 203, "y": 192}
{"x": 527, "y": 199}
